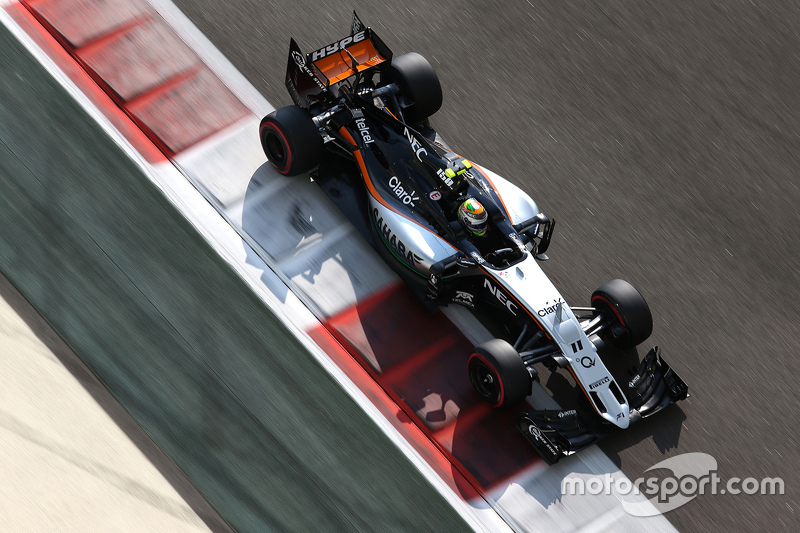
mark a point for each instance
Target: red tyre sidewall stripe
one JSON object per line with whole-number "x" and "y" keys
{"x": 483, "y": 359}
{"x": 288, "y": 164}
{"x": 612, "y": 306}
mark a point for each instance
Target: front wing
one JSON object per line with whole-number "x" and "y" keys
{"x": 557, "y": 434}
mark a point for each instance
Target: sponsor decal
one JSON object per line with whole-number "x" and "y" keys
{"x": 392, "y": 240}
{"x": 484, "y": 186}
{"x": 544, "y": 311}
{"x": 599, "y": 382}
{"x": 515, "y": 238}
{"x": 445, "y": 178}
{"x": 357, "y": 25}
{"x": 587, "y": 362}
{"x": 466, "y": 262}
{"x": 620, "y": 415}
{"x": 501, "y": 297}
{"x": 463, "y": 298}
{"x": 296, "y": 98}
{"x": 300, "y": 61}
{"x": 340, "y": 45}
{"x": 477, "y": 257}
{"x": 537, "y": 434}
{"x": 408, "y": 198}
{"x": 632, "y": 383}
{"x": 564, "y": 414}
{"x": 435, "y": 196}
{"x": 361, "y": 124}
{"x": 433, "y": 287}
{"x": 415, "y": 144}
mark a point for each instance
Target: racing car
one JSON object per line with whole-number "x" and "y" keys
{"x": 360, "y": 119}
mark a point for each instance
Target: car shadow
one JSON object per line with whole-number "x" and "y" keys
{"x": 663, "y": 427}
{"x": 419, "y": 358}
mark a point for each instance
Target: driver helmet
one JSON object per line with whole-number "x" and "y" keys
{"x": 474, "y": 217}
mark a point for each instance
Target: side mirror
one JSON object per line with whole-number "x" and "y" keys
{"x": 538, "y": 221}
{"x": 544, "y": 231}
{"x": 545, "y": 234}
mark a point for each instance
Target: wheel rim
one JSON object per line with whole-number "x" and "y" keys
{"x": 601, "y": 302}
{"x": 485, "y": 382}
{"x": 275, "y": 147}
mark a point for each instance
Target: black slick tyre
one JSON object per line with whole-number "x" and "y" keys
{"x": 420, "y": 90}
{"x": 498, "y": 374}
{"x": 632, "y": 320}
{"x": 291, "y": 141}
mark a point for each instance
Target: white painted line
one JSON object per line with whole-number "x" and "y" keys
{"x": 319, "y": 281}
{"x": 212, "y": 57}
{"x": 227, "y": 242}
{"x": 539, "y": 505}
{"x": 232, "y": 156}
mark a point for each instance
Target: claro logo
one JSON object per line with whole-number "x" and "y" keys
{"x": 543, "y": 312}
{"x": 408, "y": 198}
{"x": 501, "y": 297}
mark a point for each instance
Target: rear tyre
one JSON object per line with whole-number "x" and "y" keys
{"x": 498, "y": 374}
{"x": 632, "y": 321}
{"x": 419, "y": 86}
{"x": 291, "y": 141}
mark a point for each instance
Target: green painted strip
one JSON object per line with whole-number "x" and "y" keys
{"x": 204, "y": 366}
{"x": 399, "y": 258}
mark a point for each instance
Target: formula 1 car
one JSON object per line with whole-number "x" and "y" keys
{"x": 363, "y": 114}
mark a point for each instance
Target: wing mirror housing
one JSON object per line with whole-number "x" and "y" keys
{"x": 540, "y": 229}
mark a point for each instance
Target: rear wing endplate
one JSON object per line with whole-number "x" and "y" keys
{"x": 309, "y": 77}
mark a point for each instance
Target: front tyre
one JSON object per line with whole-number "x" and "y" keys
{"x": 498, "y": 374}
{"x": 632, "y": 322}
{"x": 291, "y": 141}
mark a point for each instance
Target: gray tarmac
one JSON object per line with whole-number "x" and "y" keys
{"x": 663, "y": 138}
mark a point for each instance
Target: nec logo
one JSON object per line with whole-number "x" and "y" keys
{"x": 501, "y": 297}
{"x": 415, "y": 145}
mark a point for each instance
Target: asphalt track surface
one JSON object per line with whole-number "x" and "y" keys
{"x": 663, "y": 138}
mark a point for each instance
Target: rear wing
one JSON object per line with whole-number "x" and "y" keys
{"x": 309, "y": 77}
